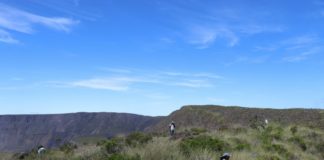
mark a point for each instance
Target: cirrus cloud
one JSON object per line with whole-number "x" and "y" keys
{"x": 13, "y": 19}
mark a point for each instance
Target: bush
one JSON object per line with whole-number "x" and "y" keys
{"x": 113, "y": 146}
{"x": 268, "y": 157}
{"x": 137, "y": 138}
{"x": 299, "y": 141}
{"x": 293, "y": 130}
{"x": 270, "y": 133}
{"x": 123, "y": 157}
{"x": 320, "y": 148}
{"x": 68, "y": 148}
{"x": 202, "y": 143}
{"x": 280, "y": 149}
{"x": 197, "y": 131}
{"x": 241, "y": 144}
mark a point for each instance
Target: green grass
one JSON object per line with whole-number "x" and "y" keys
{"x": 273, "y": 142}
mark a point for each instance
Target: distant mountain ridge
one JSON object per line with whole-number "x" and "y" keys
{"x": 23, "y": 132}
{"x": 214, "y": 117}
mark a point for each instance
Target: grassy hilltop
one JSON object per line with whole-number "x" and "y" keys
{"x": 204, "y": 133}
{"x": 273, "y": 142}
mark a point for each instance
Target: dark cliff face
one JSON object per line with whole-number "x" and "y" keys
{"x": 23, "y": 132}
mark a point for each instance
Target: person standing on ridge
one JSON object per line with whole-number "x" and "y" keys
{"x": 172, "y": 128}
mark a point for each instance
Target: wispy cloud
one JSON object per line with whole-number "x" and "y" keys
{"x": 13, "y": 19}
{"x": 6, "y": 37}
{"x": 252, "y": 29}
{"x": 205, "y": 36}
{"x": 302, "y": 56}
{"x": 248, "y": 60}
{"x": 266, "y": 48}
{"x": 115, "y": 84}
{"x": 69, "y": 7}
{"x": 193, "y": 83}
{"x": 117, "y": 70}
{"x": 300, "y": 41}
{"x": 126, "y": 80}
{"x": 301, "y": 48}
{"x": 214, "y": 24}
{"x": 295, "y": 49}
{"x": 199, "y": 75}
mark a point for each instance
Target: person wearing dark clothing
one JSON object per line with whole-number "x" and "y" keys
{"x": 225, "y": 156}
{"x": 172, "y": 128}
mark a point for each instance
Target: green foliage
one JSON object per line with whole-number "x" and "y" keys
{"x": 271, "y": 133}
{"x": 299, "y": 141}
{"x": 190, "y": 144}
{"x": 68, "y": 148}
{"x": 294, "y": 130}
{"x": 113, "y": 146}
{"x": 271, "y": 143}
{"x": 256, "y": 122}
{"x": 137, "y": 139}
{"x": 280, "y": 149}
{"x": 124, "y": 157}
{"x": 320, "y": 148}
{"x": 241, "y": 144}
{"x": 197, "y": 131}
{"x": 268, "y": 157}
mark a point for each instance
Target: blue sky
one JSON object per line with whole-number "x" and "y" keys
{"x": 151, "y": 57}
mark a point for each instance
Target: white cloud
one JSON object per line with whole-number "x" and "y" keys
{"x": 205, "y": 36}
{"x": 302, "y": 56}
{"x": 116, "y": 70}
{"x": 194, "y": 83}
{"x": 267, "y": 48}
{"x": 256, "y": 29}
{"x": 112, "y": 83}
{"x": 13, "y": 19}
{"x": 194, "y": 75}
{"x": 6, "y": 37}
{"x": 128, "y": 80}
{"x": 248, "y": 60}
{"x": 109, "y": 84}
{"x": 299, "y": 42}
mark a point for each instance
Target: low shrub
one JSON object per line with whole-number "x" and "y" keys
{"x": 294, "y": 130}
{"x": 197, "y": 131}
{"x": 240, "y": 144}
{"x": 114, "y": 145}
{"x": 138, "y": 138}
{"x": 299, "y": 141}
{"x": 268, "y": 157}
{"x": 280, "y": 149}
{"x": 68, "y": 148}
{"x": 188, "y": 145}
{"x": 123, "y": 157}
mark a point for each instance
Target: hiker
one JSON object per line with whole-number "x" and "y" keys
{"x": 225, "y": 156}
{"x": 41, "y": 150}
{"x": 172, "y": 128}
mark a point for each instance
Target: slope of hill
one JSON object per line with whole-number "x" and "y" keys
{"x": 23, "y": 132}
{"x": 213, "y": 117}
{"x": 273, "y": 142}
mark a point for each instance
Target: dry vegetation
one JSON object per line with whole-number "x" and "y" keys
{"x": 272, "y": 142}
